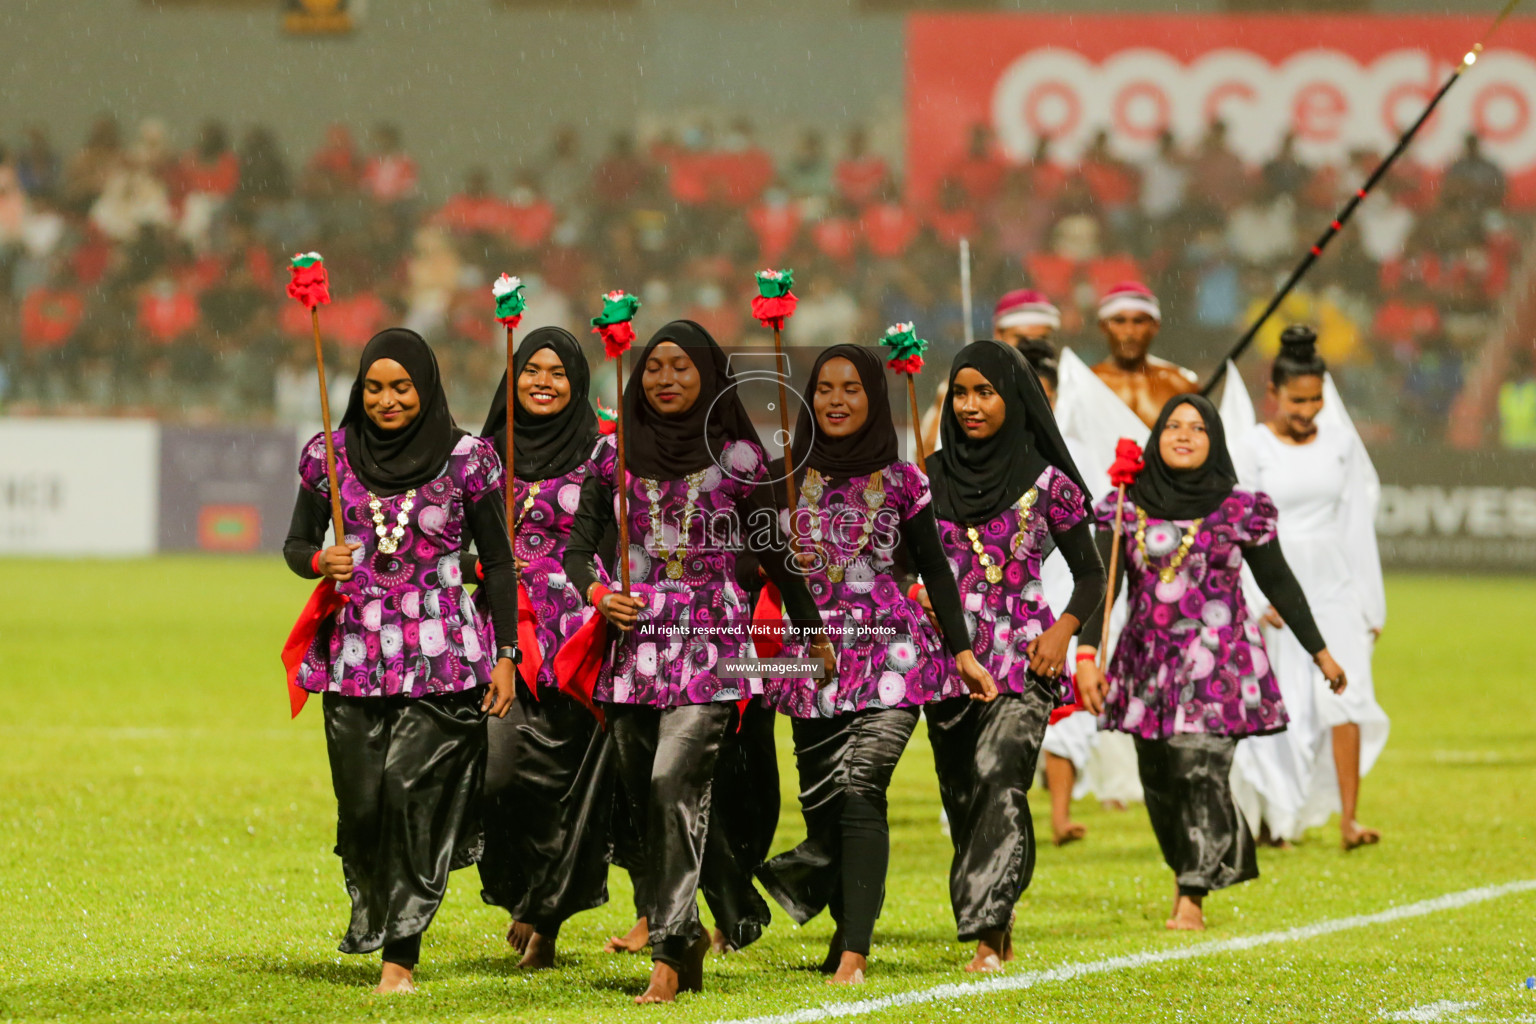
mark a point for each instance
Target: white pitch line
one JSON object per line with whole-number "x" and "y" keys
{"x": 1068, "y": 972}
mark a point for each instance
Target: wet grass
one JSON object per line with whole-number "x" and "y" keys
{"x": 165, "y": 846}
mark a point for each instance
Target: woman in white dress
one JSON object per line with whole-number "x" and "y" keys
{"x": 1311, "y": 461}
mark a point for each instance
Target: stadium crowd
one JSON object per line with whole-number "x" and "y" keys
{"x": 139, "y": 276}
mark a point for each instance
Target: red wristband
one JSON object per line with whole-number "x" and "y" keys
{"x": 314, "y": 563}
{"x": 1087, "y": 656}
{"x": 912, "y": 591}
{"x": 479, "y": 571}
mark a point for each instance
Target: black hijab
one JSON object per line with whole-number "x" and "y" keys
{"x": 553, "y": 445}
{"x": 1166, "y": 493}
{"x": 669, "y": 447}
{"x": 392, "y": 461}
{"x": 973, "y": 481}
{"x": 867, "y": 450}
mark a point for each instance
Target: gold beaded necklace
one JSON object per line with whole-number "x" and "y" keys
{"x": 1169, "y": 571}
{"x": 522, "y": 513}
{"x": 389, "y": 537}
{"x": 874, "y": 499}
{"x": 653, "y": 494}
{"x": 993, "y": 571}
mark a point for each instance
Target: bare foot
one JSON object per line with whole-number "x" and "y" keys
{"x": 667, "y": 981}
{"x": 850, "y": 970}
{"x": 1112, "y": 805}
{"x": 718, "y": 943}
{"x": 663, "y": 986}
{"x": 834, "y": 953}
{"x": 1067, "y": 832}
{"x": 1356, "y": 835}
{"x": 989, "y": 953}
{"x": 395, "y": 978}
{"x": 1187, "y": 915}
{"x": 638, "y": 938}
{"x": 518, "y": 936}
{"x": 539, "y": 955}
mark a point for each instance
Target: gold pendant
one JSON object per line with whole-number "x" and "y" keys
{"x": 994, "y": 574}
{"x": 1167, "y": 573}
{"x": 388, "y": 546}
{"x": 835, "y": 573}
{"x": 674, "y": 570}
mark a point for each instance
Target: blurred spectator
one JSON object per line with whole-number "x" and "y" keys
{"x": 389, "y": 176}
{"x": 86, "y": 175}
{"x": 37, "y": 166}
{"x": 808, "y": 173}
{"x": 131, "y": 199}
{"x": 860, "y": 174}
{"x": 620, "y": 177}
{"x": 979, "y": 174}
{"x": 337, "y": 160}
{"x": 1164, "y": 180}
{"x": 1473, "y": 178}
{"x": 1217, "y": 175}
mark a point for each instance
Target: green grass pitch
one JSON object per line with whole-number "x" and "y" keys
{"x": 165, "y": 846}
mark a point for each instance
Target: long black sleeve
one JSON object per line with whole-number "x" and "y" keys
{"x": 799, "y": 606}
{"x": 1273, "y": 575}
{"x": 1092, "y": 630}
{"x": 921, "y": 535}
{"x": 594, "y": 521}
{"x": 306, "y": 532}
{"x": 487, "y": 522}
{"x": 1088, "y": 573}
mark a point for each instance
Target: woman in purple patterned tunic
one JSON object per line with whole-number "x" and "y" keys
{"x": 408, "y": 667}
{"x": 548, "y": 782}
{"x": 862, "y": 524}
{"x": 1005, "y": 491}
{"x": 1189, "y": 676}
{"x": 695, "y": 487}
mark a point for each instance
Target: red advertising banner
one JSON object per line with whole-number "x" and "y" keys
{"x": 1340, "y": 83}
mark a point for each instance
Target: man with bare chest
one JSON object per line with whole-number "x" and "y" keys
{"x": 1130, "y": 317}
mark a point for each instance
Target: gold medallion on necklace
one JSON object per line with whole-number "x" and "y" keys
{"x": 835, "y": 573}
{"x": 994, "y": 574}
{"x": 674, "y": 570}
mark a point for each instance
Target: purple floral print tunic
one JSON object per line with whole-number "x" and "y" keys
{"x": 888, "y": 654}
{"x": 1004, "y": 617}
{"x": 542, "y": 527}
{"x": 408, "y": 627}
{"x": 1190, "y": 658}
{"x": 695, "y": 613}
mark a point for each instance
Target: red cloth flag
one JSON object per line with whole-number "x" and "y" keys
{"x": 323, "y": 603}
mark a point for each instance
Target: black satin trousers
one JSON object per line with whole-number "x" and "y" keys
{"x": 667, "y": 759}
{"x": 845, "y": 765}
{"x": 407, "y": 775}
{"x": 985, "y": 756}
{"x": 1204, "y": 839}
{"x": 549, "y": 788}
{"x": 744, "y": 812}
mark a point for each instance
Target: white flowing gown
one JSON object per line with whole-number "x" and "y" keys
{"x": 1327, "y": 492}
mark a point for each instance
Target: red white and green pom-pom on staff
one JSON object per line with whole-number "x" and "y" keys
{"x": 508, "y": 292}
{"x": 310, "y": 286}
{"x": 773, "y": 304}
{"x": 906, "y": 350}
{"x": 1128, "y": 464}
{"x": 615, "y": 325}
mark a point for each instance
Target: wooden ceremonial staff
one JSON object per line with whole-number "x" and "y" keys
{"x": 622, "y": 482}
{"x": 917, "y": 425}
{"x": 1338, "y": 222}
{"x": 1114, "y": 565}
{"x": 511, "y": 480}
{"x": 789, "y": 455}
{"x": 325, "y": 419}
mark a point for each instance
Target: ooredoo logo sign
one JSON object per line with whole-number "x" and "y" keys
{"x": 1337, "y": 83}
